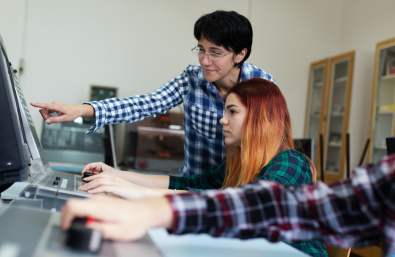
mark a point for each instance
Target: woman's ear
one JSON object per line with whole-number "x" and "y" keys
{"x": 241, "y": 55}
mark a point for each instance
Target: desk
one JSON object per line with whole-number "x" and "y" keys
{"x": 207, "y": 246}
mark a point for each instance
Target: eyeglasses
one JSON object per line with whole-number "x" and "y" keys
{"x": 200, "y": 53}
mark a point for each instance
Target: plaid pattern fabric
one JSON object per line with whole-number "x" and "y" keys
{"x": 350, "y": 213}
{"x": 203, "y": 108}
{"x": 289, "y": 167}
{"x": 208, "y": 179}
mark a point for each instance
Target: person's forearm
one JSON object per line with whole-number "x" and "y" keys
{"x": 155, "y": 181}
{"x": 160, "y": 211}
{"x": 158, "y": 192}
{"x": 87, "y": 111}
{"x": 347, "y": 210}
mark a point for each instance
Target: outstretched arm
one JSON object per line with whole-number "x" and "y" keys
{"x": 351, "y": 213}
{"x": 117, "y": 110}
{"x": 119, "y": 219}
{"x": 66, "y": 112}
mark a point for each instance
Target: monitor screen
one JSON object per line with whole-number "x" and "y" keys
{"x": 14, "y": 153}
{"x": 20, "y": 148}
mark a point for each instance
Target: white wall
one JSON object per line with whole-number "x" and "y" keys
{"x": 12, "y": 18}
{"x": 290, "y": 35}
{"x": 69, "y": 45}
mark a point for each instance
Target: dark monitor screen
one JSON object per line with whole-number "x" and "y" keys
{"x": 305, "y": 146}
{"x": 14, "y": 153}
{"x": 390, "y": 142}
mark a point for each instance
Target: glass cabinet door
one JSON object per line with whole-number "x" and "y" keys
{"x": 382, "y": 125}
{"x": 316, "y": 103}
{"x": 337, "y": 116}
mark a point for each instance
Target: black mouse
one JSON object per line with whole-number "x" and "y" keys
{"x": 87, "y": 174}
{"x": 81, "y": 238}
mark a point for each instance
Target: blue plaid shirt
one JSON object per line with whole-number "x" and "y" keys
{"x": 203, "y": 108}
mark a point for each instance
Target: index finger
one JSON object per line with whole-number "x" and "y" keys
{"x": 90, "y": 167}
{"x": 42, "y": 105}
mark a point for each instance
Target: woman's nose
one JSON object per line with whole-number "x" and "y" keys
{"x": 205, "y": 60}
{"x": 223, "y": 121}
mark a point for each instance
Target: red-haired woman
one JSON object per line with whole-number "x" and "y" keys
{"x": 257, "y": 131}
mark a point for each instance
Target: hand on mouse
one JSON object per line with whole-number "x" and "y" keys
{"x": 99, "y": 167}
{"x": 118, "y": 219}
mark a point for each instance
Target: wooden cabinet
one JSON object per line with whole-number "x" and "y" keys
{"x": 383, "y": 100}
{"x": 333, "y": 110}
{"x": 316, "y": 103}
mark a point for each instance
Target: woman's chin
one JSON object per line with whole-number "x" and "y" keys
{"x": 229, "y": 143}
{"x": 210, "y": 78}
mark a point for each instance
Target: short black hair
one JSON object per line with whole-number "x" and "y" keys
{"x": 229, "y": 29}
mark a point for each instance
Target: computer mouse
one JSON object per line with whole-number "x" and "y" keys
{"x": 81, "y": 238}
{"x": 87, "y": 174}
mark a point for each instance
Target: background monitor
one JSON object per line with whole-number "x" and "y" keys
{"x": 305, "y": 146}
{"x": 390, "y": 142}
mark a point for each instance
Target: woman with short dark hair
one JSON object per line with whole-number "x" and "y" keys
{"x": 224, "y": 44}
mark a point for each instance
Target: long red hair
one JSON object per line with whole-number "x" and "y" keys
{"x": 266, "y": 132}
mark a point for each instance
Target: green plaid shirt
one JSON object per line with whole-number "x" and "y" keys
{"x": 288, "y": 167}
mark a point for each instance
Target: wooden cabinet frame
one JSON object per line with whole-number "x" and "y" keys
{"x": 325, "y": 65}
{"x": 326, "y": 111}
{"x": 374, "y": 109}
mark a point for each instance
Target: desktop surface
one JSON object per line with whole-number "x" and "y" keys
{"x": 207, "y": 246}
{"x": 36, "y": 233}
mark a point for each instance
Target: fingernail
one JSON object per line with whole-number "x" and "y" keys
{"x": 48, "y": 121}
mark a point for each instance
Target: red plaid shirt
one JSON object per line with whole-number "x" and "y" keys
{"x": 351, "y": 213}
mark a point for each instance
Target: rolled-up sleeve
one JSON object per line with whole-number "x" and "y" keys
{"x": 139, "y": 107}
{"x": 208, "y": 179}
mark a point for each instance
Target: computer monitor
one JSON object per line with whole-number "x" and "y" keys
{"x": 305, "y": 146}
{"x": 21, "y": 153}
{"x": 390, "y": 142}
{"x": 18, "y": 136}
{"x": 14, "y": 152}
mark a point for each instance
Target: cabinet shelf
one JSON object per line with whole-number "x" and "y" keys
{"x": 332, "y": 171}
{"x": 387, "y": 77}
{"x": 385, "y": 112}
{"x": 334, "y": 144}
{"x": 319, "y": 84}
{"x": 341, "y": 80}
{"x": 380, "y": 148}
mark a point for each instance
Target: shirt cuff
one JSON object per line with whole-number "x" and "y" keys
{"x": 100, "y": 116}
{"x": 189, "y": 213}
{"x": 174, "y": 181}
